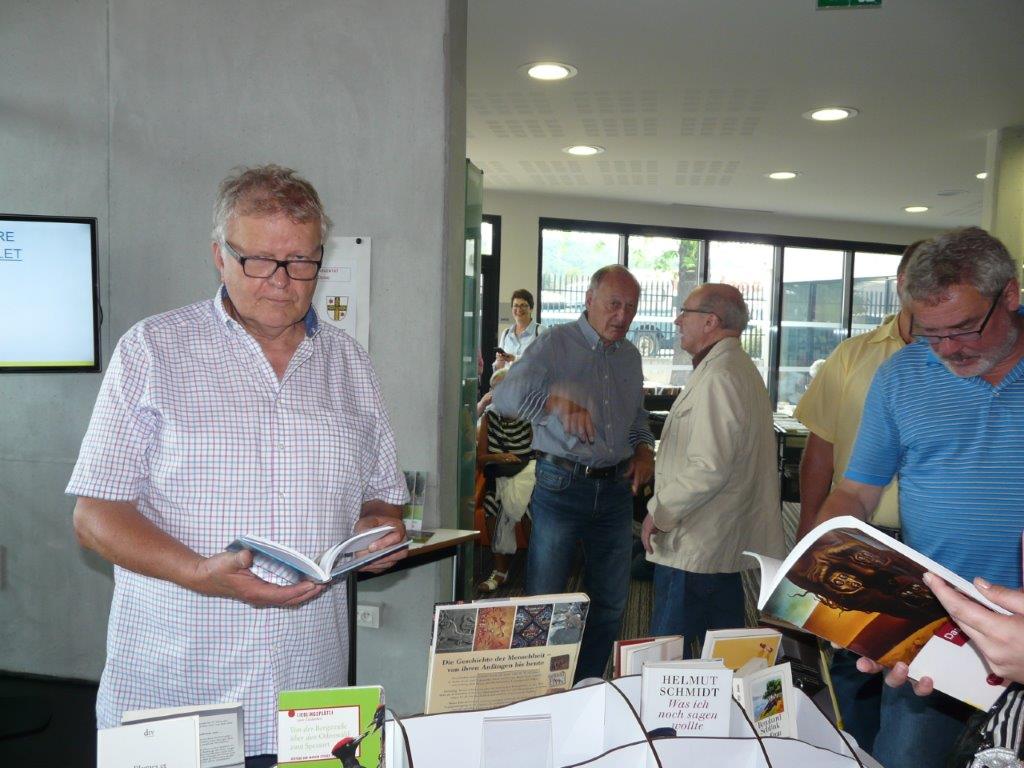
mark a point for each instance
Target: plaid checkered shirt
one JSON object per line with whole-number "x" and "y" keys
{"x": 193, "y": 426}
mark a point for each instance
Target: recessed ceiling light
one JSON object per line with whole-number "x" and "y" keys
{"x": 916, "y": 208}
{"x": 782, "y": 175}
{"x": 983, "y": 175}
{"x": 831, "y": 114}
{"x": 584, "y": 150}
{"x": 549, "y": 70}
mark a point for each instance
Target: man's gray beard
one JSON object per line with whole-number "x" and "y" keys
{"x": 990, "y": 360}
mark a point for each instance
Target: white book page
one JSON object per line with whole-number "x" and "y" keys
{"x": 275, "y": 551}
{"x": 353, "y": 543}
{"x": 634, "y": 657}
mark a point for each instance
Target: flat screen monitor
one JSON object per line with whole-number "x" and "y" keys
{"x": 49, "y": 294}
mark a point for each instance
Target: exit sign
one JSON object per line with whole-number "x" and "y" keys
{"x": 848, "y": 3}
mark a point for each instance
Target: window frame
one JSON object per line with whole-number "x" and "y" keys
{"x": 779, "y": 243}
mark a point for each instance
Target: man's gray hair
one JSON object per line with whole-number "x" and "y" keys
{"x": 726, "y": 302}
{"x": 267, "y": 190}
{"x": 598, "y": 277}
{"x": 968, "y": 256}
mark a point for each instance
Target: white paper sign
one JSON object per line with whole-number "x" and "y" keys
{"x": 514, "y": 742}
{"x": 342, "y": 295}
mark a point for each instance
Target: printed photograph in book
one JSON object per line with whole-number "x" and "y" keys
{"x": 737, "y": 647}
{"x": 767, "y": 697}
{"x": 863, "y": 595}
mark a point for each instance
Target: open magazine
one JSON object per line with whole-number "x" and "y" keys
{"x": 849, "y": 583}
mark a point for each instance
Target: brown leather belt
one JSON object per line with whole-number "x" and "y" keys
{"x": 594, "y": 473}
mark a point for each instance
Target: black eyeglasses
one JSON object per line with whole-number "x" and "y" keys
{"x": 257, "y": 266}
{"x": 963, "y": 335}
{"x": 684, "y": 310}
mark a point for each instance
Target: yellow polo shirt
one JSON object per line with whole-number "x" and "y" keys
{"x": 832, "y": 405}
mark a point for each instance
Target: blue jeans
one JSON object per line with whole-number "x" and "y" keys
{"x": 917, "y": 731}
{"x": 859, "y": 697}
{"x": 689, "y": 604}
{"x": 568, "y": 508}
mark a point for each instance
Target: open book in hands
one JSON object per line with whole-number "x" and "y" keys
{"x": 848, "y": 582}
{"x": 336, "y": 561}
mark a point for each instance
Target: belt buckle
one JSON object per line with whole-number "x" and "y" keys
{"x": 587, "y": 469}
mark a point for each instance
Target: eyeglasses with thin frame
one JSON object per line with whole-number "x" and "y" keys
{"x": 684, "y": 310}
{"x": 963, "y": 335}
{"x": 260, "y": 267}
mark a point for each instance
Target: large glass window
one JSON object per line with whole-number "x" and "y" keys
{"x": 569, "y": 259}
{"x": 749, "y": 267}
{"x": 667, "y": 268}
{"x": 805, "y": 296}
{"x": 812, "y": 317}
{"x": 874, "y": 289}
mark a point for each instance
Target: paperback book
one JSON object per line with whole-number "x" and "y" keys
{"x": 629, "y": 656}
{"x": 737, "y": 647}
{"x": 849, "y": 583}
{"x": 171, "y": 743}
{"x": 220, "y": 729}
{"x": 767, "y": 697}
{"x": 692, "y": 697}
{"x": 490, "y": 653}
{"x": 325, "y": 727}
{"x": 338, "y": 560}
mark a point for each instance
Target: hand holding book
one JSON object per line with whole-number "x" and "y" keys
{"x": 851, "y": 584}
{"x": 395, "y": 540}
{"x": 371, "y": 547}
{"x": 999, "y": 638}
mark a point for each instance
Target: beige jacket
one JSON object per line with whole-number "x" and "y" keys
{"x": 716, "y": 479}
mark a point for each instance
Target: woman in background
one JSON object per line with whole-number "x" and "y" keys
{"x": 522, "y": 333}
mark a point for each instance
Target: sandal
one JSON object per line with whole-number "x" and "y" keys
{"x": 493, "y": 582}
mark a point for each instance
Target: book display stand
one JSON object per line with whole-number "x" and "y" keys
{"x": 599, "y": 727}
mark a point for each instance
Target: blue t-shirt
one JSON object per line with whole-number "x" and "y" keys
{"x": 958, "y": 446}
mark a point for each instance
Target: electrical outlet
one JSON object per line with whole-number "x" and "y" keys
{"x": 368, "y": 615}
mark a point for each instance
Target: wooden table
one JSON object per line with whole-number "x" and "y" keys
{"x": 444, "y": 543}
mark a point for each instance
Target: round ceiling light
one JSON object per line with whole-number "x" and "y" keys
{"x": 831, "y": 114}
{"x": 916, "y": 208}
{"x": 584, "y": 150}
{"x": 549, "y": 70}
{"x": 983, "y": 175}
{"x": 782, "y": 175}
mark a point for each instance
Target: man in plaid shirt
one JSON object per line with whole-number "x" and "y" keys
{"x": 237, "y": 415}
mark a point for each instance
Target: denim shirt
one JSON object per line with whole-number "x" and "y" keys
{"x": 607, "y": 379}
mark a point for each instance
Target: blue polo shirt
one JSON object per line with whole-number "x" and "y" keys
{"x": 958, "y": 446}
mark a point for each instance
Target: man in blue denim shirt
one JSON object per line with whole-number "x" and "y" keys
{"x": 581, "y": 386}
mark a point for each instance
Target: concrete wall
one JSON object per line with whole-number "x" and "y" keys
{"x": 131, "y": 111}
{"x": 520, "y": 233}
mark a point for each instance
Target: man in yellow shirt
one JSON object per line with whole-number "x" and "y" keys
{"x": 831, "y": 409}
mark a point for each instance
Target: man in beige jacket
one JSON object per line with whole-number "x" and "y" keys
{"x": 716, "y": 485}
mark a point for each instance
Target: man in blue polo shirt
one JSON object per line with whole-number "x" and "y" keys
{"x": 947, "y": 415}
